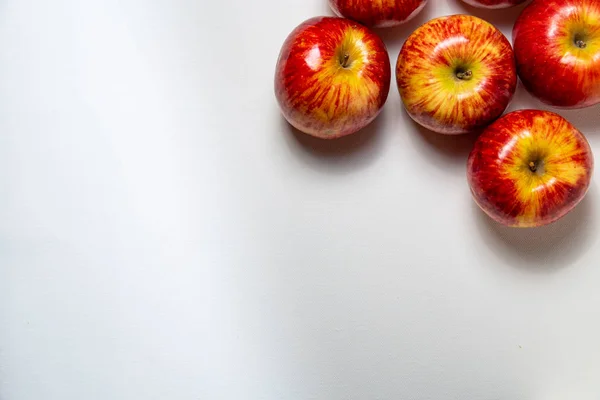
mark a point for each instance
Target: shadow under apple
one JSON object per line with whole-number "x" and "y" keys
{"x": 340, "y": 155}
{"x": 544, "y": 249}
{"x": 448, "y": 152}
{"x": 395, "y": 37}
{"x": 587, "y": 119}
{"x": 503, "y": 19}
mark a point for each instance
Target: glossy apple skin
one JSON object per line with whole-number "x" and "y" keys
{"x": 550, "y": 64}
{"x": 378, "y": 14}
{"x": 493, "y": 4}
{"x": 426, "y": 74}
{"x": 316, "y": 93}
{"x": 501, "y": 178}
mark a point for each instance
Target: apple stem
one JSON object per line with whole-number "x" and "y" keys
{"x": 581, "y": 44}
{"x": 345, "y": 61}
{"x": 464, "y": 75}
{"x": 532, "y": 166}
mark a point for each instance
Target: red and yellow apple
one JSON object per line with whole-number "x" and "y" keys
{"x": 494, "y": 3}
{"x": 332, "y": 77}
{"x": 529, "y": 168}
{"x": 379, "y": 14}
{"x": 456, "y": 74}
{"x": 557, "y": 49}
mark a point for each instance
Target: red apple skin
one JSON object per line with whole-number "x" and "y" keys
{"x": 529, "y": 168}
{"x": 378, "y": 14}
{"x": 332, "y": 77}
{"x": 550, "y": 63}
{"x": 493, "y": 4}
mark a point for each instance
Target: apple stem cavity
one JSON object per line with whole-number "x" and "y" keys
{"x": 464, "y": 75}
{"x": 580, "y": 41}
{"x": 536, "y": 167}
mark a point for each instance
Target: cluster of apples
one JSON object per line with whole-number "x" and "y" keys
{"x": 457, "y": 74}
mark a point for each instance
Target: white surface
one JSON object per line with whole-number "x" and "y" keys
{"x": 164, "y": 234}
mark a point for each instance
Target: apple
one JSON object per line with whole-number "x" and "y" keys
{"x": 456, "y": 74}
{"x": 494, "y": 3}
{"x": 378, "y": 14}
{"x": 332, "y": 77}
{"x": 557, "y": 49}
{"x": 529, "y": 168}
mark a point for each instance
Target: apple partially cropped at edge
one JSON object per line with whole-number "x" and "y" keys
{"x": 378, "y": 14}
{"x": 557, "y": 49}
{"x": 332, "y": 77}
{"x": 456, "y": 74}
{"x": 529, "y": 168}
{"x": 493, "y": 4}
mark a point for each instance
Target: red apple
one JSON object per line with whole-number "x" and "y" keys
{"x": 332, "y": 77}
{"x": 494, "y": 3}
{"x": 529, "y": 168}
{"x": 456, "y": 74}
{"x": 378, "y": 14}
{"x": 557, "y": 48}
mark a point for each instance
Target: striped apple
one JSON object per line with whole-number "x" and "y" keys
{"x": 332, "y": 77}
{"x": 378, "y": 14}
{"x": 529, "y": 168}
{"x": 557, "y": 48}
{"x": 456, "y": 74}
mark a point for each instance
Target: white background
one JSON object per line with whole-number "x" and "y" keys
{"x": 164, "y": 234}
